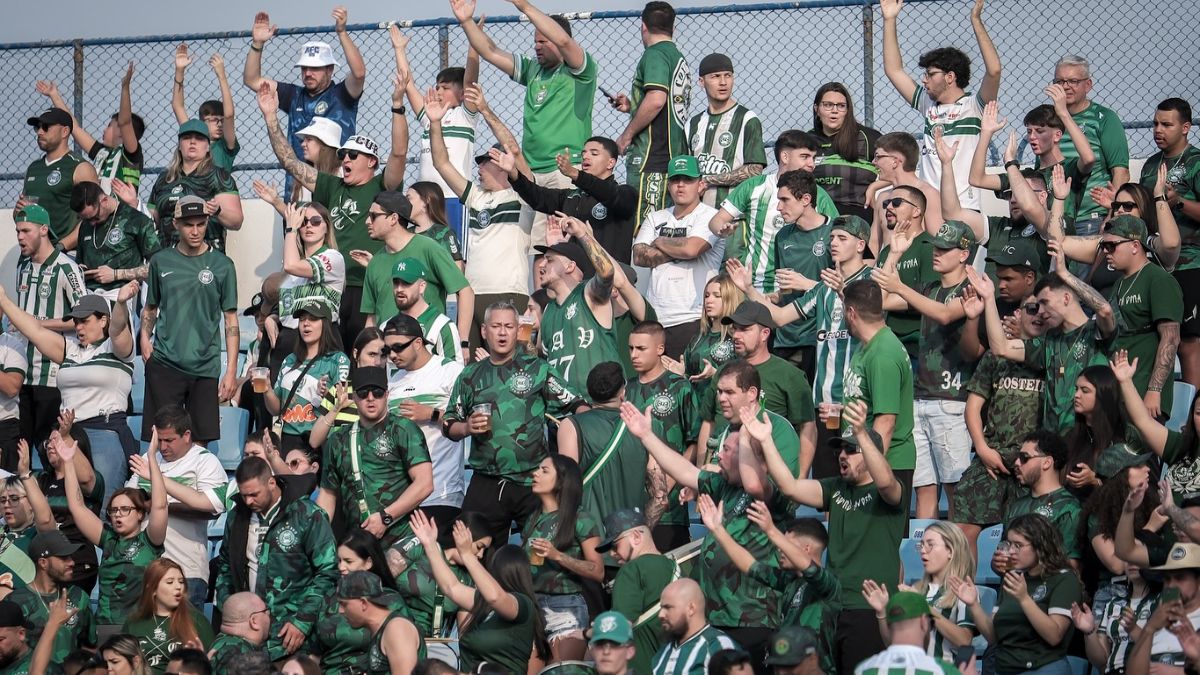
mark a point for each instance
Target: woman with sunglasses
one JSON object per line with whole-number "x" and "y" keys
{"x": 844, "y": 167}
{"x": 129, "y": 542}
{"x": 1030, "y": 629}
{"x": 315, "y": 269}
{"x": 369, "y": 350}
{"x": 1100, "y": 422}
{"x": 317, "y": 360}
{"x": 429, "y": 218}
{"x": 192, "y": 172}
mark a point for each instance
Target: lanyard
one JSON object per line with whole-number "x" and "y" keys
{"x": 364, "y": 511}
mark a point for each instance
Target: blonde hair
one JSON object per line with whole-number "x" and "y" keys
{"x": 175, "y": 169}
{"x": 962, "y": 563}
{"x": 731, "y": 297}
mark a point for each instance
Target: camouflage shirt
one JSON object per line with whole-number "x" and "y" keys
{"x": 1013, "y": 393}
{"x": 550, "y": 578}
{"x": 122, "y": 564}
{"x": 942, "y": 371}
{"x": 1061, "y": 357}
{"x": 79, "y": 631}
{"x": 342, "y": 647}
{"x": 814, "y": 601}
{"x": 431, "y": 610}
{"x": 1060, "y": 507}
{"x": 377, "y": 661}
{"x": 676, "y": 421}
{"x": 225, "y": 647}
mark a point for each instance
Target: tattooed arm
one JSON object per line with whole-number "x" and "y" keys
{"x": 268, "y": 102}
{"x": 1164, "y": 358}
{"x": 659, "y": 490}
{"x": 735, "y": 177}
{"x": 647, "y": 255}
{"x": 599, "y": 289}
{"x": 1088, "y": 296}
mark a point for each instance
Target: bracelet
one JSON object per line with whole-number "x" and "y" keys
{"x": 255, "y": 47}
{"x": 1012, "y": 163}
{"x": 435, "y": 415}
{"x": 179, "y": 82}
{"x": 1163, "y": 199}
{"x": 399, "y": 110}
{"x": 326, "y": 421}
{"x": 27, "y": 475}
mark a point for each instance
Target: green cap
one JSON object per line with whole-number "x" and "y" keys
{"x": 683, "y": 165}
{"x": 1119, "y": 456}
{"x": 612, "y": 627}
{"x": 791, "y": 645}
{"x": 1017, "y": 252}
{"x": 617, "y": 522}
{"x": 852, "y": 225}
{"x": 1130, "y": 227}
{"x": 904, "y": 605}
{"x": 33, "y": 213}
{"x": 362, "y": 585}
{"x": 408, "y": 270}
{"x": 194, "y": 126}
{"x": 954, "y": 234}
{"x": 314, "y": 308}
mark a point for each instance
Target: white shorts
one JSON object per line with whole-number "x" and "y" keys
{"x": 943, "y": 444}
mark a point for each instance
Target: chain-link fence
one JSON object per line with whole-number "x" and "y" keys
{"x": 1141, "y": 52}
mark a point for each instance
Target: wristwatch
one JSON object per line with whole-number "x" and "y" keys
{"x": 400, "y": 110}
{"x": 387, "y": 518}
{"x": 1012, "y": 162}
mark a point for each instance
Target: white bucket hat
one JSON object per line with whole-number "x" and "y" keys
{"x": 325, "y": 130}
{"x": 360, "y": 144}
{"x": 316, "y": 55}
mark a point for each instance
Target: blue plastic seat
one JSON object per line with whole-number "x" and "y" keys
{"x": 1079, "y": 666}
{"x": 1181, "y": 406}
{"x": 910, "y": 558}
{"x": 916, "y": 527}
{"x": 985, "y": 548}
{"x": 235, "y": 422}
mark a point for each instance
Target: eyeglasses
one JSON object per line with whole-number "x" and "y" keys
{"x": 120, "y": 510}
{"x": 880, "y": 155}
{"x": 830, "y": 105}
{"x": 212, "y": 119}
{"x": 1023, "y": 457}
{"x": 1016, "y": 544}
{"x": 372, "y": 215}
{"x": 1031, "y": 308}
{"x": 895, "y": 202}
{"x": 1062, "y": 81}
{"x": 264, "y": 610}
{"x": 352, "y": 154}
{"x": 922, "y": 546}
{"x": 1110, "y": 246}
{"x": 397, "y": 348}
{"x": 1118, "y": 206}
{"x": 42, "y": 127}
{"x": 932, "y": 72}
{"x": 313, "y": 221}
{"x": 11, "y": 500}
{"x": 371, "y": 392}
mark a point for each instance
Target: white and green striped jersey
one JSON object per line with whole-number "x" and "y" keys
{"x": 960, "y": 122}
{"x": 691, "y": 657}
{"x": 458, "y": 130}
{"x": 441, "y": 335}
{"x": 835, "y": 345}
{"x": 494, "y": 237}
{"x": 12, "y": 360}
{"x": 937, "y": 646}
{"x": 431, "y": 385}
{"x": 47, "y": 291}
{"x": 725, "y": 141}
{"x": 904, "y": 660}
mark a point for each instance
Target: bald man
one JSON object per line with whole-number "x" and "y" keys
{"x": 691, "y": 642}
{"x": 245, "y": 622}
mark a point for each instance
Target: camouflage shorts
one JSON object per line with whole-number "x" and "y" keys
{"x": 980, "y": 500}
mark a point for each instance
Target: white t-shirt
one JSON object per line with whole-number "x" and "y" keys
{"x": 431, "y": 386}
{"x": 12, "y": 360}
{"x": 93, "y": 380}
{"x": 676, "y": 287}
{"x": 496, "y": 241}
{"x": 326, "y": 285}
{"x": 900, "y": 658}
{"x": 187, "y": 538}
{"x": 458, "y": 131}
{"x": 960, "y": 122}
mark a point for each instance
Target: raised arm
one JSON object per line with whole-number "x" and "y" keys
{"x": 434, "y": 111}
{"x": 178, "y": 104}
{"x": 400, "y": 48}
{"x": 473, "y": 94}
{"x": 393, "y": 173}
{"x": 755, "y": 433}
{"x": 49, "y": 89}
{"x": 260, "y": 33}
{"x": 129, "y": 140}
{"x": 156, "y": 529}
{"x": 426, "y": 532}
{"x": 989, "y": 88}
{"x": 893, "y": 62}
{"x": 599, "y": 288}
{"x": 1087, "y": 157}
{"x": 354, "y": 60}
{"x": 1013, "y": 350}
{"x": 1088, "y": 296}
{"x": 228, "y": 132}
{"x": 572, "y": 54}
{"x": 89, "y": 524}
{"x": 889, "y": 488}
{"x": 1125, "y": 544}
{"x": 50, "y": 343}
{"x": 122, "y": 336}
{"x": 464, "y": 11}
{"x": 1154, "y": 434}
{"x": 711, "y": 514}
{"x": 268, "y": 103}
{"x": 991, "y": 122}
{"x": 1167, "y": 244}
{"x": 948, "y": 191}
{"x": 675, "y": 465}
{"x": 802, "y": 490}
{"x": 740, "y": 274}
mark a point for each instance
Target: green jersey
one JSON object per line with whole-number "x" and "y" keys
{"x": 498, "y": 640}
{"x": 805, "y": 252}
{"x": 723, "y": 142}
{"x": 348, "y": 206}
{"x": 755, "y": 202}
{"x": 223, "y": 155}
{"x": 304, "y": 378}
{"x": 785, "y": 392}
{"x": 676, "y": 421}
{"x": 377, "y": 661}
{"x": 942, "y": 370}
{"x": 1061, "y": 357}
{"x": 441, "y": 334}
{"x": 46, "y": 291}
{"x": 835, "y": 345}
{"x": 1106, "y": 135}
{"x": 915, "y": 270}
{"x": 520, "y": 391}
{"x": 157, "y": 641}
{"x": 613, "y": 463}
{"x": 711, "y": 346}
{"x": 430, "y": 609}
{"x": 550, "y": 578}
{"x": 368, "y": 467}
{"x": 691, "y": 656}
{"x": 814, "y": 599}
{"x": 442, "y": 277}
{"x": 51, "y": 183}
{"x": 23, "y": 666}
{"x": 1060, "y": 507}
{"x": 124, "y": 241}
{"x": 116, "y": 163}
{"x": 191, "y": 292}
{"x": 1142, "y": 302}
{"x": 572, "y": 339}
{"x": 881, "y": 376}
{"x": 864, "y": 536}
{"x": 343, "y": 648}
{"x": 77, "y": 633}
{"x": 558, "y": 109}
{"x": 1019, "y": 646}
{"x": 206, "y": 185}
{"x": 1003, "y": 230}
{"x": 661, "y": 68}
{"x": 1070, "y": 167}
{"x": 445, "y": 238}
{"x": 736, "y": 599}
{"x": 635, "y": 593}
{"x": 1183, "y": 174}
{"x": 623, "y": 325}
{"x": 123, "y": 561}
{"x": 225, "y": 647}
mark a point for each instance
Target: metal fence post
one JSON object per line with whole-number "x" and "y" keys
{"x": 868, "y": 27}
{"x": 78, "y": 82}
{"x": 444, "y": 45}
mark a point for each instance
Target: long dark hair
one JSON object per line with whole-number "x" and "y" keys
{"x": 1145, "y": 203}
{"x": 1109, "y": 422}
{"x": 845, "y": 140}
{"x": 510, "y": 569}
{"x": 326, "y": 344}
{"x": 366, "y": 546}
{"x": 1044, "y": 538}
{"x": 568, "y": 490}
{"x": 435, "y": 201}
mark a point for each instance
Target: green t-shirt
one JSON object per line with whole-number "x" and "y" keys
{"x": 304, "y": 407}
{"x": 1019, "y": 647}
{"x": 558, "y": 109}
{"x": 815, "y": 602}
{"x": 192, "y": 293}
{"x": 613, "y": 463}
{"x": 442, "y": 277}
{"x": 881, "y": 375}
{"x": 661, "y": 68}
{"x": 498, "y": 640}
{"x": 1141, "y": 302}
{"x": 573, "y": 341}
{"x": 676, "y": 421}
{"x": 222, "y": 155}
{"x": 441, "y": 334}
{"x": 122, "y": 564}
{"x": 707, "y": 346}
{"x": 1061, "y": 357}
{"x": 1013, "y": 395}
{"x": 785, "y": 392}
{"x": 123, "y": 241}
{"x": 835, "y": 345}
{"x": 635, "y": 593}
{"x": 23, "y": 665}
{"x": 431, "y": 610}
{"x": 445, "y": 238}
{"x": 1003, "y": 230}
{"x": 51, "y": 183}
{"x": 1060, "y": 507}
{"x": 550, "y": 578}
{"x": 225, "y": 647}
{"x": 807, "y": 253}
{"x": 942, "y": 370}
{"x": 1106, "y": 135}
{"x": 77, "y": 633}
{"x": 348, "y": 206}
{"x": 1077, "y": 194}
{"x": 1183, "y": 174}
{"x": 157, "y": 642}
{"x": 342, "y": 647}
{"x": 386, "y": 453}
{"x": 864, "y": 537}
{"x": 207, "y": 185}
{"x": 915, "y": 270}
{"x": 521, "y": 392}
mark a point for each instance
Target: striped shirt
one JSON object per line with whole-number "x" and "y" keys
{"x": 495, "y": 239}
{"x": 691, "y": 656}
{"x": 93, "y": 380}
{"x": 12, "y": 360}
{"x": 960, "y": 122}
{"x": 835, "y": 345}
{"x": 458, "y": 130}
{"x": 431, "y": 385}
{"x": 904, "y": 660}
{"x": 441, "y": 335}
{"x": 325, "y": 286}
{"x": 724, "y": 141}
{"x": 937, "y": 646}
{"x": 47, "y": 291}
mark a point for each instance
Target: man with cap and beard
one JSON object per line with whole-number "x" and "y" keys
{"x": 50, "y": 178}
{"x": 727, "y": 137}
{"x": 639, "y": 583}
{"x": 52, "y": 554}
{"x": 15, "y": 652}
{"x": 396, "y": 644}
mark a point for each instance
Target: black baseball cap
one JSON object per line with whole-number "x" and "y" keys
{"x": 88, "y": 305}
{"x": 51, "y": 116}
{"x": 313, "y": 308}
{"x": 403, "y": 325}
{"x": 12, "y": 616}
{"x": 485, "y": 157}
{"x": 394, "y": 202}
{"x": 571, "y": 250}
{"x": 748, "y": 313}
{"x": 52, "y": 544}
{"x": 369, "y": 376}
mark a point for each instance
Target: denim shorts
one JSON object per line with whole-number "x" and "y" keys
{"x": 564, "y": 615}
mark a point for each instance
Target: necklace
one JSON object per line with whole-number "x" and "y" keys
{"x": 160, "y": 630}
{"x": 1122, "y": 286}
{"x": 98, "y": 241}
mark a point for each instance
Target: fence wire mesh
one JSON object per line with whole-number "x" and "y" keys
{"x": 1140, "y": 53}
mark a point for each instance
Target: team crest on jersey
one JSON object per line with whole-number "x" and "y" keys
{"x": 383, "y": 449}
{"x": 44, "y": 291}
{"x": 54, "y": 178}
{"x": 1079, "y": 351}
{"x": 681, "y": 82}
{"x": 1176, "y": 175}
{"x": 599, "y": 211}
{"x": 572, "y": 310}
{"x": 818, "y": 247}
{"x": 663, "y": 404}
{"x": 521, "y": 383}
{"x": 287, "y": 539}
{"x": 130, "y": 552}
{"x": 177, "y": 190}
{"x": 484, "y": 217}
{"x": 344, "y": 214}
{"x": 725, "y": 139}
{"x": 320, "y": 108}
{"x": 540, "y": 97}
{"x": 835, "y": 317}
{"x": 1039, "y": 593}
{"x": 778, "y": 222}
{"x": 722, "y": 351}
{"x": 1028, "y": 231}
{"x": 205, "y": 276}
{"x": 115, "y": 236}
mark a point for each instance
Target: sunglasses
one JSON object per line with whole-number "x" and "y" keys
{"x": 42, "y": 127}
{"x": 849, "y": 449}
{"x": 1118, "y": 206}
{"x": 895, "y": 202}
{"x": 397, "y": 348}
{"x": 371, "y": 392}
{"x": 297, "y": 463}
{"x": 352, "y": 154}
{"x": 120, "y": 510}
{"x": 372, "y": 215}
{"x": 312, "y": 220}
{"x": 1023, "y": 457}
{"x": 1031, "y": 308}
{"x": 1110, "y": 246}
